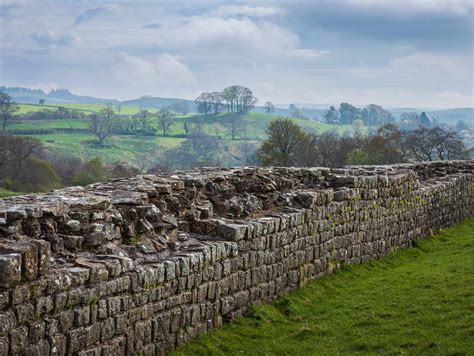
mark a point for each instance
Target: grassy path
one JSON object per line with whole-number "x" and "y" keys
{"x": 419, "y": 301}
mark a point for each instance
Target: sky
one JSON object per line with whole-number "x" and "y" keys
{"x": 395, "y": 53}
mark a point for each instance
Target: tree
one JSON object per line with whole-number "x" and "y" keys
{"x": 461, "y": 125}
{"x": 204, "y": 103}
{"x": 42, "y": 101}
{"x": 229, "y": 95}
{"x": 428, "y": 144}
{"x": 14, "y": 150}
{"x": 217, "y": 100}
{"x": 21, "y": 169}
{"x": 269, "y": 107}
{"x": 332, "y": 116}
{"x": 376, "y": 115}
{"x": 238, "y": 99}
{"x": 144, "y": 120}
{"x": 348, "y": 113}
{"x": 283, "y": 143}
{"x": 41, "y": 177}
{"x": 358, "y": 127}
{"x": 181, "y": 108}
{"x": 296, "y": 112}
{"x": 424, "y": 120}
{"x": 92, "y": 171}
{"x": 246, "y": 101}
{"x": 103, "y": 124}
{"x": 199, "y": 149}
{"x": 235, "y": 125}
{"x": 165, "y": 120}
{"x": 8, "y": 108}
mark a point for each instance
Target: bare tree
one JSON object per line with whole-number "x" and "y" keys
{"x": 165, "y": 120}
{"x": 103, "y": 124}
{"x": 14, "y": 151}
{"x": 427, "y": 144}
{"x": 238, "y": 99}
{"x": 269, "y": 107}
{"x": 217, "y": 101}
{"x": 8, "y": 108}
{"x": 204, "y": 103}
{"x": 235, "y": 125}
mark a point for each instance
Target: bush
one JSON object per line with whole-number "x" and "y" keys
{"x": 92, "y": 171}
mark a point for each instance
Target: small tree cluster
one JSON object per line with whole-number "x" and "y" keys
{"x": 235, "y": 99}
{"x": 347, "y": 114}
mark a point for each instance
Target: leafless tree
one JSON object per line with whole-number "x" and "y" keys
{"x": 103, "y": 124}
{"x": 269, "y": 107}
{"x": 204, "y": 103}
{"x": 8, "y": 108}
{"x": 217, "y": 100}
{"x": 235, "y": 124}
{"x": 165, "y": 120}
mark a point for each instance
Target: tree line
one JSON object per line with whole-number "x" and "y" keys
{"x": 370, "y": 115}
{"x": 287, "y": 144}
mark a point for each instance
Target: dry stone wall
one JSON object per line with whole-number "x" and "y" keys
{"x": 142, "y": 265}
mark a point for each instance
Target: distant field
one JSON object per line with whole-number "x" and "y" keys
{"x": 419, "y": 301}
{"x": 118, "y": 148}
{"x": 47, "y": 124}
{"x": 129, "y": 148}
{"x": 87, "y": 108}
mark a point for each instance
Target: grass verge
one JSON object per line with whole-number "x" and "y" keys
{"x": 418, "y": 301}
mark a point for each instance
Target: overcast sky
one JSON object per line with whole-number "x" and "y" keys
{"x": 389, "y": 52}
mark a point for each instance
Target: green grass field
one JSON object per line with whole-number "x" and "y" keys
{"x": 419, "y": 301}
{"x": 118, "y": 148}
{"x": 86, "y": 108}
{"x": 129, "y": 148}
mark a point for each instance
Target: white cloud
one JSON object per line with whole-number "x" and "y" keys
{"x": 244, "y": 10}
{"x": 164, "y": 74}
{"x": 232, "y": 36}
{"x": 47, "y": 38}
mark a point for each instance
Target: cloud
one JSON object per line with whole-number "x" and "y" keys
{"x": 244, "y": 10}
{"x": 232, "y": 37}
{"x": 163, "y": 74}
{"x": 426, "y": 61}
{"x": 152, "y": 25}
{"x": 428, "y": 24}
{"x": 413, "y": 8}
{"x": 89, "y": 14}
{"x": 50, "y": 38}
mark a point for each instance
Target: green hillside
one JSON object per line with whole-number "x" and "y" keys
{"x": 128, "y": 147}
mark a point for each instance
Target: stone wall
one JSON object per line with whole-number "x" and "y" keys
{"x": 141, "y": 265}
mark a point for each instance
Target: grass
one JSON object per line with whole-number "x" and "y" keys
{"x": 47, "y": 124}
{"x": 419, "y": 301}
{"x": 87, "y": 108}
{"x": 129, "y": 148}
{"x": 8, "y": 193}
{"x": 117, "y": 148}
